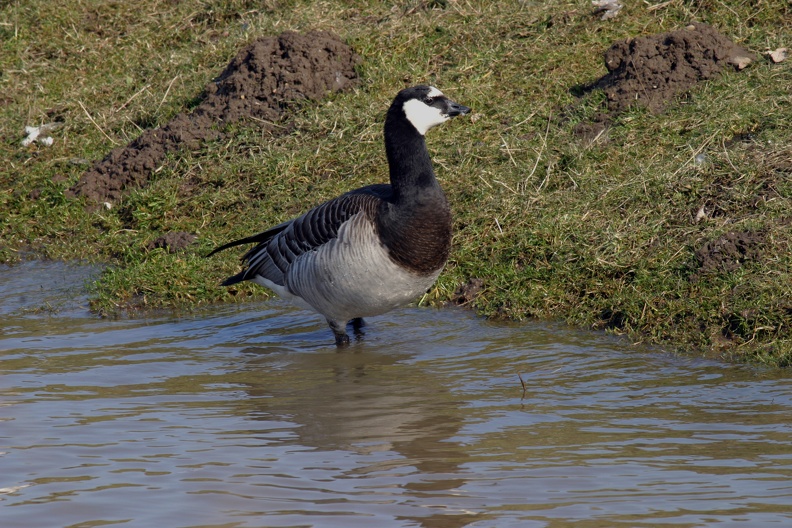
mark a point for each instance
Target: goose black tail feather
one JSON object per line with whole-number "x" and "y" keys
{"x": 261, "y": 237}
{"x": 239, "y": 277}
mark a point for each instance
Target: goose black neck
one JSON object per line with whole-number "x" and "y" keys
{"x": 411, "y": 172}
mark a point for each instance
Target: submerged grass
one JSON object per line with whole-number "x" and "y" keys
{"x": 604, "y": 234}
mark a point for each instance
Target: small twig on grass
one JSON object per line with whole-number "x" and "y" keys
{"x": 271, "y": 123}
{"x": 131, "y": 98}
{"x": 696, "y": 152}
{"x": 539, "y": 156}
{"x": 505, "y": 147}
{"x": 114, "y": 142}
{"x": 655, "y": 7}
{"x": 167, "y": 91}
{"x": 506, "y": 186}
{"x": 521, "y": 122}
{"x": 485, "y": 181}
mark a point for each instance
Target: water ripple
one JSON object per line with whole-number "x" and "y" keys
{"x": 248, "y": 416}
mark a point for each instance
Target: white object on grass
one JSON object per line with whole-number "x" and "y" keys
{"x": 36, "y": 133}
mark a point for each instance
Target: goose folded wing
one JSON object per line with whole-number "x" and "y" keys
{"x": 281, "y": 245}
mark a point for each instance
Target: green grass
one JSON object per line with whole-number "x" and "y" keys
{"x": 601, "y": 235}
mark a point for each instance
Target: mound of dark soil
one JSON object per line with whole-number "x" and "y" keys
{"x": 651, "y": 71}
{"x": 728, "y": 252}
{"x": 265, "y": 78}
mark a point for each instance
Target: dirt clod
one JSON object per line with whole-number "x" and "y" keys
{"x": 173, "y": 241}
{"x": 728, "y": 252}
{"x": 467, "y": 293}
{"x": 651, "y": 71}
{"x": 266, "y": 78}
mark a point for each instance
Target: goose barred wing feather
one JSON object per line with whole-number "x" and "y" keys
{"x": 280, "y": 246}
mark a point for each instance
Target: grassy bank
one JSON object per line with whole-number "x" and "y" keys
{"x": 621, "y": 231}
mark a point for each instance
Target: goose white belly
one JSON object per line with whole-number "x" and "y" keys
{"x": 351, "y": 276}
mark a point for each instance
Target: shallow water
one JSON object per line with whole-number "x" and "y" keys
{"x": 247, "y": 416}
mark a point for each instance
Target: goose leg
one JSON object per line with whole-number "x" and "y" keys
{"x": 357, "y": 326}
{"x": 341, "y": 337}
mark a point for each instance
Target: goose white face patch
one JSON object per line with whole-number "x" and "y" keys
{"x": 434, "y": 92}
{"x": 422, "y": 116}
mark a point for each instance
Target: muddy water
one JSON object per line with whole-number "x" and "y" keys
{"x": 245, "y": 416}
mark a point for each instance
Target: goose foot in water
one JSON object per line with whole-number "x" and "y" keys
{"x": 339, "y": 331}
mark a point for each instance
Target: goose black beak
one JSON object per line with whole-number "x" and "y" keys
{"x": 455, "y": 109}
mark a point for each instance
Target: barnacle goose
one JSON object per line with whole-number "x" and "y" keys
{"x": 372, "y": 249}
